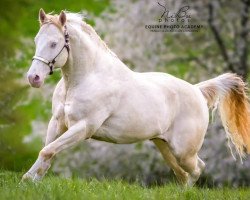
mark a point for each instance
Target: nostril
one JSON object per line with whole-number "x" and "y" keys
{"x": 37, "y": 78}
{"x": 34, "y": 80}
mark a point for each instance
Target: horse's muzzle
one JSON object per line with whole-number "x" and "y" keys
{"x": 35, "y": 80}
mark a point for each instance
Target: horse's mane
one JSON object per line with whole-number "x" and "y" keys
{"x": 76, "y": 19}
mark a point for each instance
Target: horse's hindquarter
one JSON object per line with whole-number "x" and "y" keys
{"x": 190, "y": 122}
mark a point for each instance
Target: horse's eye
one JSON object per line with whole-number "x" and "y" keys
{"x": 53, "y": 45}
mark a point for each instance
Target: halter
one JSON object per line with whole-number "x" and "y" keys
{"x": 52, "y": 62}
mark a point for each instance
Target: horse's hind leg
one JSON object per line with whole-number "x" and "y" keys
{"x": 181, "y": 175}
{"x": 185, "y": 139}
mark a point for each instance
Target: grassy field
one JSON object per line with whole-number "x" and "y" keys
{"x": 57, "y": 188}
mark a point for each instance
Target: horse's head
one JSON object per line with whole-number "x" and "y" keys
{"x": 51, "y": 47}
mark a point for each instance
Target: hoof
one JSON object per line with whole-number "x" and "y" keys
{"x": 27, "y": 177}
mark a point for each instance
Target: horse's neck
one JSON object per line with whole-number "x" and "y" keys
{"x": 86, "y": 57}
{"x": 82, "y": 58}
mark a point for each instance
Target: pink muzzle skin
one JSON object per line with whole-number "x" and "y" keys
{"x": 34, "y": 80}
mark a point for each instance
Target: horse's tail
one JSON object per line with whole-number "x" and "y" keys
{"x": 228, "y": 91}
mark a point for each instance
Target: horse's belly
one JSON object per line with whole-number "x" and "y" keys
{"x": 122, "y": 136}
{"x": 132, "y": 127}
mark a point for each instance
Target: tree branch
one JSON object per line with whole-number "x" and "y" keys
{"x": 218, "y": 38}
{"x": 243, "y": 40}
{"x": 189, "y": 59}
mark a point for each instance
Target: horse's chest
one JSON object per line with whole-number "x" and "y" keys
{"x": 63, "y": 113}
{"x": 77, "y": 110}
{"x": 71, "y": 114}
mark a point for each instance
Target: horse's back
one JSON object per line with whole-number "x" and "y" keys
{"x": 169, "y": 85}
{"x": 186, "y": 92}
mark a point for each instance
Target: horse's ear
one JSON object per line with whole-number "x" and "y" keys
{"x": 62, "y": 18}
{"x": 42, "y": 16}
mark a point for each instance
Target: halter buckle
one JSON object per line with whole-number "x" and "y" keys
{"x": 51, "y": 66}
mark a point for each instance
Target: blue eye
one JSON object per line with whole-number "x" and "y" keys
{"x": 53, "y": 45}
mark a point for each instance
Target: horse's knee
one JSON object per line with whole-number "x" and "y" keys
{"x": 46, "y": 154}
{"x": 193, "y": 165}
{"x": 187, "y": 163}
{"x": 196, "y": 171}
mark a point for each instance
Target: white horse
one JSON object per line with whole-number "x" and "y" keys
{"x": 99, "y": 97}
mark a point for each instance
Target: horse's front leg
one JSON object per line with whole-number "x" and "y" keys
{"x": 74, "y": 134}
{"x": 55, "y": 129}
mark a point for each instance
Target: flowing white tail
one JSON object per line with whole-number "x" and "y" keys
{"x": 229, "y": 91}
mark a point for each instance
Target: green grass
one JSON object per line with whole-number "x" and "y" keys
{"x": 52, "y": 187}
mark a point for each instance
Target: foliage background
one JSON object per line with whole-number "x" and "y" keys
{"x": 24, "y": 111}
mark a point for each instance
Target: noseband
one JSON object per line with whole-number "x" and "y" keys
{"x": 52, "y": 62}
